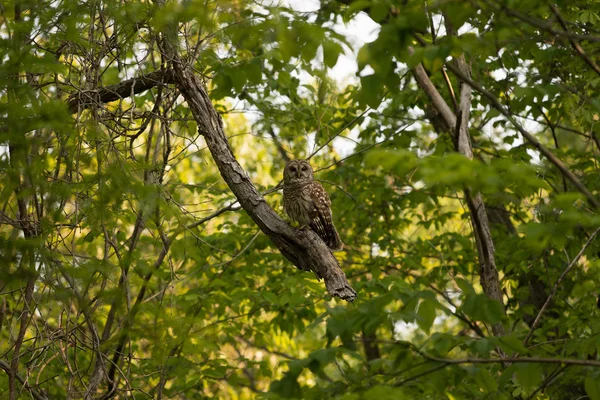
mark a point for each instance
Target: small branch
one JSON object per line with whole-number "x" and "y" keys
{"x": 574, "y": 43}
{"x": 553, "y": 130}
{"x": 450, "y": 88}
{"x": 555, "y": 288}
{"x": 339, "y": 187}
{"x": 504, "y": 360}
{"x": 276, "y": 352}
{"x": 528, "y": 136}
{"x": 471, "y": 324}
{"x": 34, "y": 393}
{"x": 282, "y": 152}
{"x": 429, "y": 371}
{"x": 549, "y": 379}
{"x": 343, "y": 128}
{"x": 542, "y": 24}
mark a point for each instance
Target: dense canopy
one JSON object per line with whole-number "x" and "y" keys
{"x": 144, "y": 251}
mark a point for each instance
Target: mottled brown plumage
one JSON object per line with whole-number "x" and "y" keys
{"x": 306, "y": 202}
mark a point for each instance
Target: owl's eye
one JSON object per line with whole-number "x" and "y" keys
{"x": 304, "y": 168}
{"x": 293, "y": 169}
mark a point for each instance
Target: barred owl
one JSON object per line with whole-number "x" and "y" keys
{"x": 306, "y": 202}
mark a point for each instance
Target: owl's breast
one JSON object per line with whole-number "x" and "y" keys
{"x": 298, "y": 204}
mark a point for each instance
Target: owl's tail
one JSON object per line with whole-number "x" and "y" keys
{"x": 323, "y": 226}
{"x": 334, "y": 241}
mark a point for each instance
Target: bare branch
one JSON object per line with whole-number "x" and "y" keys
{"x": 504, "y": 360}
{"x": 34, "y": 393}
{"x": 85, "y": 98}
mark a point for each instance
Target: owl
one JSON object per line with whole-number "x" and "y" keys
{"x": 306, "y": 202}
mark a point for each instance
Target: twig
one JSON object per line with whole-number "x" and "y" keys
{"x": 337, "y": 186}
{"x": 538, "y": 360}
{"x": 553, "y": 130}
{"x": 36, "y": 395}
{"x": 343, "y": 128}
{"x": 429, "y": 371}
{"x": 542, "y": 24}
{"x": 555, "y": 288}
{"x": 528, "y": 136}
{"x": 574, "y": 43}
{"x": 549, "y": 379}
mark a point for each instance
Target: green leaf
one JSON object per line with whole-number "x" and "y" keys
{"x": 382, "y": 392}
{"x": 511, "y": 344}
{"x": 270, "y": 297}
{"x": 254, "y": 73}
{"x": 486, "y": 382}
{"x": 287, "y": 387}
{"x": 372, "y": 90}
{"x": 592, "y": 386}
{"x": 331, "y": 52}
{"x": 379, "y": 10}
{"x": 426, "y": 314}
{"x": 529, "y": 375}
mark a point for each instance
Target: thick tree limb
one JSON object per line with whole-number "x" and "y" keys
{"x": 488, "y": 272}
{"x": 302, "y": 247}
{"x": 85, "y": 98}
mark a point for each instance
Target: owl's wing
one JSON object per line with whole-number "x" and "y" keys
{"x": 321, "y": 220}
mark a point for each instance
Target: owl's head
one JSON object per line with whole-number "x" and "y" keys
{"x": 297, "y": 172}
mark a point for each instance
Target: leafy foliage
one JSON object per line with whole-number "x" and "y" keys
{"x": 127, "y": 268}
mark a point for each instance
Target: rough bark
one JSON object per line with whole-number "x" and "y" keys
{"x": 302, "y": 247}
{"x": 370, "y": 344}
{"x": 458, "y": 125}
{"x": 85, "y": 98}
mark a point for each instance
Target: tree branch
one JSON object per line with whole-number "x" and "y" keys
{"x": 574, "y": 43}
{"x": 34, "y": 393}
{"x": 542, "y": 24}
{"x": 504, "y": 360}
{"x": 529, "y": 137}
{"x": 460, "y": 128}
{"x": 85, "y": 98}
{"x": 302, "y": 247}
{"x": 555, "y": 288}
